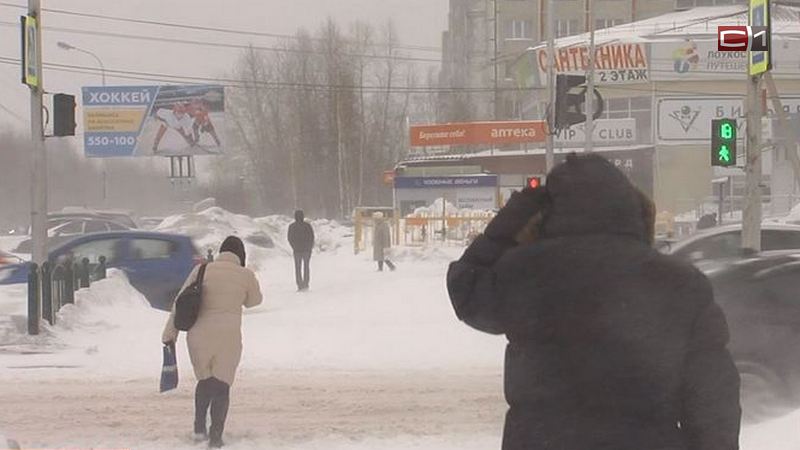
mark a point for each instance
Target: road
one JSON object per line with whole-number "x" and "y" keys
{"x": 280, "y": 409}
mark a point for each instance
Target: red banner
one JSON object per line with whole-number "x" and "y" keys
{"x": 478, "y": 133}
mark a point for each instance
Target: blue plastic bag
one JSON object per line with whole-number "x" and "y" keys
{"x": 169, "y": 370}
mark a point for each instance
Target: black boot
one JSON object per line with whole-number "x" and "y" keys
{"x": 202, "y": 399}
{"x": 220, "y": 401}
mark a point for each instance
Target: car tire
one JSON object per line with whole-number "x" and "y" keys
{"x": 764, "y": 394}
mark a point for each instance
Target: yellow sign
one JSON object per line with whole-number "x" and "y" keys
{"x": 30, "y": 53}
{"x": 114, "y": 120}
{"x": 759, "y": 61}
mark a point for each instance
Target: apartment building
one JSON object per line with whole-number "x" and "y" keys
{"x": 485, "y": 37}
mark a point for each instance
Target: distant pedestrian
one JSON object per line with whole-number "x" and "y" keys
{"x": 215, "y": 339}
{"x": 611, "y": 345}
{"x": 381, "y": 242}
{"x": 301, "y": 238}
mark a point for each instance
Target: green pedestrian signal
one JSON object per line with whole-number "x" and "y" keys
{"x": 723, "y": 142}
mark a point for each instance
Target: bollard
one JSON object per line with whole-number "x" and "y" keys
{"x": 47, "y": 293}
{"x": 84, "y": 276}
{"x": 34, "y": 297}
{"x": 101, "y": 270}
{"x": 210, "y": 256}
{"x": 76, "y": 276}
{"x": 58, "y": 290}
{"x": 69, "y": 282}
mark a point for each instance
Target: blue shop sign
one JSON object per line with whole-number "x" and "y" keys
{"x": 472, "y": 181}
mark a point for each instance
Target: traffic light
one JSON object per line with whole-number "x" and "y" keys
{"x": 533, "y": 182}
{"x": 63, "y": 115}
{"x": 570, "y": 101}
{"x": 568, "y": 104}
{"x": 723, "y": 142}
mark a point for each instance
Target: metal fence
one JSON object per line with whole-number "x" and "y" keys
{"x": 52, "y": 286}
{"x": 422, "y": 230}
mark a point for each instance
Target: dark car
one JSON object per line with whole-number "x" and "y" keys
{"x": 156, "y": 264}
{"x": 761, "y": 299}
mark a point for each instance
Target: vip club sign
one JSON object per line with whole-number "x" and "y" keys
{"x": 125, "y": 121}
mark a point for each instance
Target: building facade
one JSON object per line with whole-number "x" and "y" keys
{"x": 485, "y": 37}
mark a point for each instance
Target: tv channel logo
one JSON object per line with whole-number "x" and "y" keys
{"x": 741, "y": 38}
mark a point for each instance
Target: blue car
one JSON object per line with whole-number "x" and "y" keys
{"x": 156, "y": 264}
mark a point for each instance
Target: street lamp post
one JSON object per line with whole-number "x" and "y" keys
{"x": 65, "y": 46}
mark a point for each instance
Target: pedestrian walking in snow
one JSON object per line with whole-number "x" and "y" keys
{"x": 301, "y": 238}
{"x": 381, "y": 242}
{"x": 611, "y": 345}
{"x": 215, "y": 339}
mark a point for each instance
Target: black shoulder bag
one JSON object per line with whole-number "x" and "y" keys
{"x": 187, "y": 305}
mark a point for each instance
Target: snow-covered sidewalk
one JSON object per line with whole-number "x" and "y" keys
{"x": 365, "y": 360}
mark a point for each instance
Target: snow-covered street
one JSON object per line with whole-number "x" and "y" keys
{"x": 365, "y": 360}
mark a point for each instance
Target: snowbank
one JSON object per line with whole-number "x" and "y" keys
{"x": 793, "y": 217}
{"x": 110, "y": 330}
{"x": 264, "y": 237}
{"x": 329, "y": 235}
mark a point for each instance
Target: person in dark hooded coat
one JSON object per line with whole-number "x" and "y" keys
{"x": 301, "y": 238}
{"x": 611, "y": 345}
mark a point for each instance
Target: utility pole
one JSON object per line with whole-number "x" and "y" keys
{"x": 589, "y": 109}
{"x": 751, "y": 220}
{"x": 551, "y": 85}
{"x": 38, "y": 153}
{"x": 496, "y": 7}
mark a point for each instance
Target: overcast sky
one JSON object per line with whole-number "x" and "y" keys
{"x": 419, "y": 22}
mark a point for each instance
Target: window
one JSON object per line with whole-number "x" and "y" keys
{"x": 686, "y": 4}
{"x": 68, "y": 229}
{"x": 567, "y": 27}
{"x": 95, "y": 226}
{"x": 780, "y": 239}
{"x": 519, "y": 29}
{"x": 152, "y": 249}
{"x": 93, "y": 250}
{"x": 600, "y": 24}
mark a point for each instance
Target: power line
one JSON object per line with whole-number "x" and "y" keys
{"x": 238, "y": 83}
{"x": 220, "y": 44}
{"x": 200, "y": 27}
{"x": 252, "y": 84}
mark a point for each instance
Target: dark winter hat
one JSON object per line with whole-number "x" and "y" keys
{"x": 299, "y": 215}
{"x": 589, "y": 195}
{"x": 234, "y": 245}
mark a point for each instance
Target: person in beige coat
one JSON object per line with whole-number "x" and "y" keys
{"x": 215, "y": 340}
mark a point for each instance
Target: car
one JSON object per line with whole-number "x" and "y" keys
{"x": 119, "y": 216}
{"x": 61, "y": 229}
{"x": 724, "y": 242}
{"x": 760, "y": 295}
{"x": 156, "y": 264}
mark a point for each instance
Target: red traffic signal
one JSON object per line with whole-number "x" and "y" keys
{"x": 534, "y": 182}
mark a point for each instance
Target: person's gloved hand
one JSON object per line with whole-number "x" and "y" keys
{"x": 519, "y": 209}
